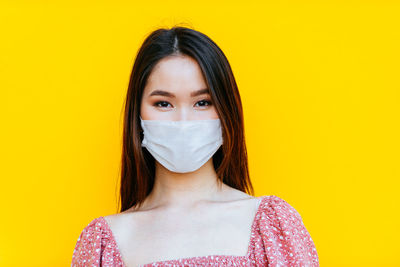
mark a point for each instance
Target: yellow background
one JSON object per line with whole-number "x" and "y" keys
{"x": 319, "y": 81}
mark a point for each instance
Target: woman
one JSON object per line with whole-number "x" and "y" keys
{"x": 184, "y": 171}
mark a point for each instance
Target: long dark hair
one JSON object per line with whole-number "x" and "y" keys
{"x": 230, "y": 160}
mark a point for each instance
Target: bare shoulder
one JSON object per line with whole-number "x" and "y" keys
{"x": 112, "y": 220}
{"x": 117, "y": 221}
{"x": 233, "y": 194}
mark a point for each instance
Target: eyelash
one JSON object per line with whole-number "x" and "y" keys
{"x": 204, "y": 100}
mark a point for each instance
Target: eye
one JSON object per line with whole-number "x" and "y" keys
{"x": 204, "y": 102}
{"x": 157, "y": 104}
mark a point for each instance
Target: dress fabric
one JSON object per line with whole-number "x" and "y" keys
{"x": 278, "y": 238}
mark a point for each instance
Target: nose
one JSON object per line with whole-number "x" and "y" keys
{"x": 182, "y": 115}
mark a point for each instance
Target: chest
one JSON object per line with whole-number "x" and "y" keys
{"x": 151, "y": 237}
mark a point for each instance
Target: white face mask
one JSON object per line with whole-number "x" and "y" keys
{"x": 182, "y": 146}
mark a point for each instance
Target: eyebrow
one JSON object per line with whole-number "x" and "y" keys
{"x": 168, "y": 94}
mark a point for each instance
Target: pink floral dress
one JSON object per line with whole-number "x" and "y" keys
{"x": 278, "y": 238}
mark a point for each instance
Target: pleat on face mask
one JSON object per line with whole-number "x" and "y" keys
{"x": 182, "y": 146}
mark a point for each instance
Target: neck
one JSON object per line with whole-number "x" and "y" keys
{"x": 180, "y": 190}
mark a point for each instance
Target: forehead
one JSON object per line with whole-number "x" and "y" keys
{"x": 175, "y": 74}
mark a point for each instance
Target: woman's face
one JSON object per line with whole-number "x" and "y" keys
{"x": 176, "y": 90}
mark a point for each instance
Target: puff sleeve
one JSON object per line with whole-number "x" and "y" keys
{"x": 87, "y": 251}
{"x": 285, "y": 238}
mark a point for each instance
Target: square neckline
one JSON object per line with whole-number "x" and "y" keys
{"x": 252, "y": 229}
